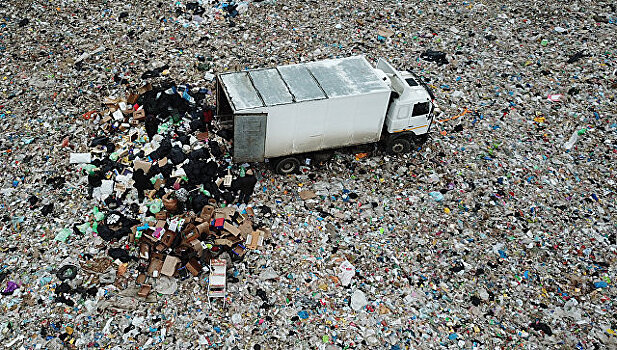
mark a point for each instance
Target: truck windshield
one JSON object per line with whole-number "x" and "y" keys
{"x": 417, "y": 80}
{"x": 411, "y": 82}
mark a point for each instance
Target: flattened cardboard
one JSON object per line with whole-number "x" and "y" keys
{"x": 140, "y": 164}
{"x": 170, "y": 265}
{"x": 223, "y": 241}
{"x": 231, "y": 229}
{"x": 307, "y": 194}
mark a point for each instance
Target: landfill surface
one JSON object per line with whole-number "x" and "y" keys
{"x": 499, "y": 232}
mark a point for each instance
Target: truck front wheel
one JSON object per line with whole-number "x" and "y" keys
{"x": 287, "y": 165}
{"x": 399, "y": 146}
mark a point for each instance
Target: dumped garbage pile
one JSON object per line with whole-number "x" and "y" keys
{"x": 167, "y": 189}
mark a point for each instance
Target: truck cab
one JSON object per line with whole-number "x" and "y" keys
{"x": 410, "y": 111}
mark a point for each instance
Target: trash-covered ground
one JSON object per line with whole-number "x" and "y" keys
{"x": 498, "y": 233}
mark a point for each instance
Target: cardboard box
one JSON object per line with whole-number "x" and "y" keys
{"x": 204, "y": 228}
{"x": 227, "y": 180}
{"x": 168, "y": 238}
{"x": 239, "y": 250}
{"x": 144, "y": 290}
{"x": 231, "y": 229}
{"x": 206, "y": 212}
{"x": 198, "y": 247}
{"x": 170, "y": 265}
{"x": 141, "y": 278}
{"x": 194, "y": 267}
{"x": 154, "y": 269}
{"x": 144, "y": 250}
{"x": 255, "y": 239}
{"x": 133, "y": 136}
{"x": 190, "y": 236}
{"x": 142, "y": 90}
{"x": 132, "y": 98}
{"x": 246, "y": 228}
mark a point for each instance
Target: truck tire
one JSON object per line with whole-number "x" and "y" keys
{"x": 399, "y": 146}
{"x": 287, "y": 165}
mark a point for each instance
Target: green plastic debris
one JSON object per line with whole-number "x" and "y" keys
{"x": 164, "y": 127}
{"x": 176, "y": 117}
{"x": 582, "y": 131}
{"x": 204, "y": 191}
{"x": 63, "y": 235}
{"x": 156, "y": 206}
{"x": 83, "y": 228}
{"x": 242, "y": 172}
{"x": 98, "y": 216}
{"x": 114, "y": 156}
{"x": 88, "y": 169}
{"x": 156, "y": 177}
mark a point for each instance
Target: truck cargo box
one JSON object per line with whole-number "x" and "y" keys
{"x": 302, "y": 108}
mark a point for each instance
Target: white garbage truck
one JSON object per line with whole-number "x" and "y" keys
{"x": 293, "y": 111}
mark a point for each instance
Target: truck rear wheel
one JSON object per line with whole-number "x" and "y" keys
{"x": 399, "y": 146}
{"x": 287, "y": 165}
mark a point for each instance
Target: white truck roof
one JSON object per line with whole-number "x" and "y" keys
{"x": 301, "y": 82}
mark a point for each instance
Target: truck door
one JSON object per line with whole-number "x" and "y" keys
{"x": 249, "y": 137}
{"x": 419, "y": 117}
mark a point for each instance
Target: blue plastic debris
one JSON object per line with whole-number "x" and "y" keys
{"x": 437, "y": 196}
{"x": 600, "y": 284}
